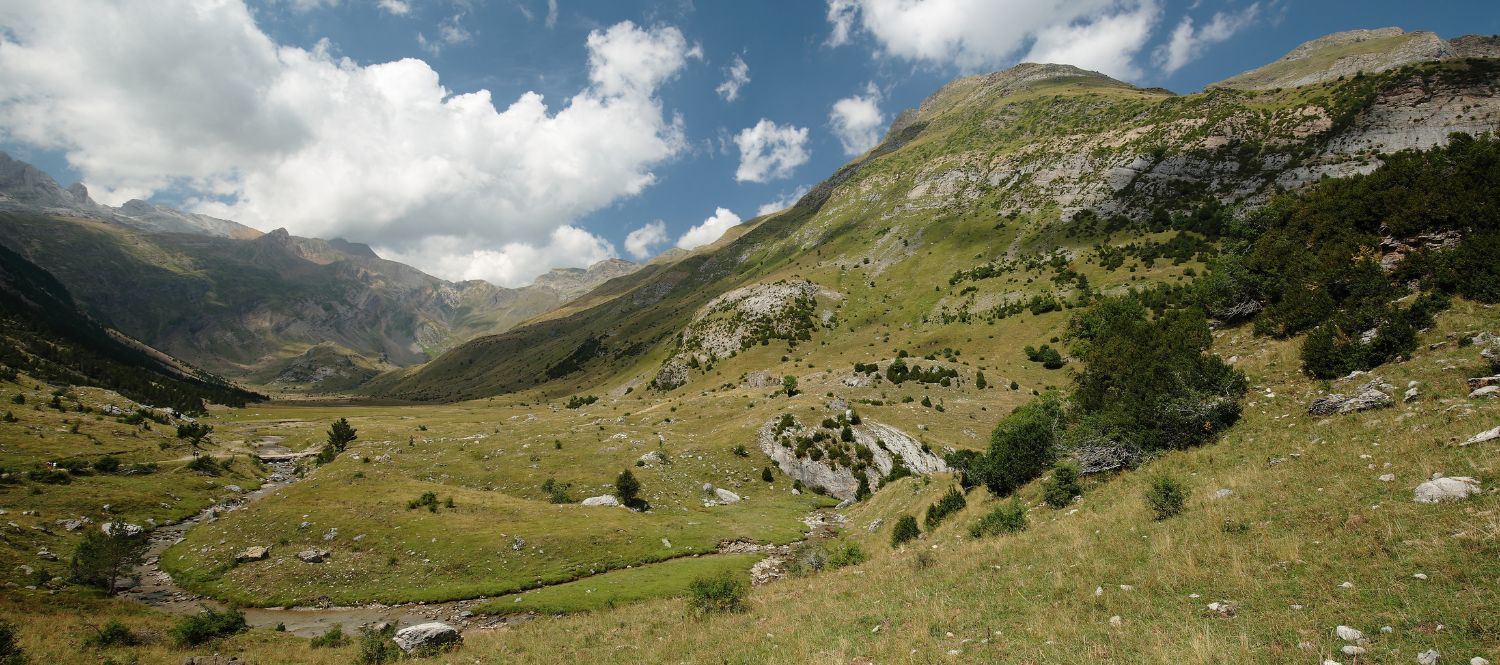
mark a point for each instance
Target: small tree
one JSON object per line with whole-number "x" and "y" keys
{"x": 341, "y": 434}
{"x": 906, "y": 529}
{"x": 194, "y": 433}
{"x": 102, "y": 558}
{"x": 765, "y": 474}
{"x": 1166, "y": 496}
{"x": 1059, "y": 489}
{"x": 979, "y": 381}
{"x": 789, "y": 385}
{"x": 10, "y": 652}
{"x": 627, "y": 488}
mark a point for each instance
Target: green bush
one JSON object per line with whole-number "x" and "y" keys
{"x": 951, "y": 502}
{"x": 1059, "y": 489}
{"x": 107, "y": 464}
{"x": 627, "y": 490}
{"x": 111, "y": 634}
{"x": 721, "y": 593}
{"x": 207, "y": 625}
{"x": 100, "y": 558}
{"x": 905, "y": 530}
{"x": 1021, "y": 447}
{"x": 766, "y": 475}
{"x": 205, "y": 464}
{"x": 1008, "y": 517}
{"x": 332, "y": 639}
{"x": 376, "y": 647}
{"x": 1166, "y": 496}
{"x": 10, "y": 652}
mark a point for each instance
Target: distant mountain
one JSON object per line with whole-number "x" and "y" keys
{"x": 1038, "y": 169}
{"x": 1345, "y": 54}
{"x": 253, "y": 305}
{"x": 43, "y": 333}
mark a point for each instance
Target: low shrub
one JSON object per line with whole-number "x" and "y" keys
{"x": 376, "y": 647}
{"x": 951, "y": 502}
{"x": 1166, "y": 496}
{"x": 1008, "y": 517}
{"x": 1059, "y": 489}
{"x": 112, "y": 634}
{"x": 905, "y": 530}
{"x": 717, "y": 594}
{"x": 332, "y": 639}
{"x": 207, "y": 625}
{"x": 10, "y": 652}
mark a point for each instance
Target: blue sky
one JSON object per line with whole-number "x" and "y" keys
{"x": 278, "y": 114}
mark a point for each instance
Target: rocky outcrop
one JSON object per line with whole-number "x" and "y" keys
{"x": 1366, "y": 397}
{"x": 427, "y": 637}
{"x": 887, "y": 448}
{"x": 602, "y": 500}
{"x": 737, "y": 319}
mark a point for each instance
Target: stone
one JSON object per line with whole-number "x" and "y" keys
{"x": 1223, "y": 493}
{"x": 653, "y": 457}
{"x": 1367, "y": 397}
{"x": 1411, "y": 394}
{"x": 129, "y": 530}
{"x": 875, "y": 525}
{"x": 313, "y": 555}
{"x": 1116, "y": 621}
{"x": 1487, "y": 435}
{"x": 234, "y": 488}
{"x": 602, "y": 500}
{"x": 1387, "y": 477}
{"x": 1440, "y": 490}
{"x": 1478, "y": 661}
{"x": 1487, "y": 392}
{"x": 1482, "y": 381}
{"x": 332, "y": 533}
{"x": 252, "y": 554}
{"x": 46, "y": 554}
{"x": 725, "y": 496}
{"x": 1428, "y": 657}
{"x": 1353, "y": 650}
{"x": 1348, "y": 634}
{"x": 427, "y": 636}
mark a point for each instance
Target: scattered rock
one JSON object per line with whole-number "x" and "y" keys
{"x": 1224, "y": 609}
{"x": 1411, "y": 394}
{"x": 653, "y": 457}
{"x": 1482, "y": 381}
{"x": 1353, "y": 650}
{"x": 252, "y": 554}
{"x": 1368, "y": 396}
{"x": 46, "y": 554}
{"x": 1387, "y": 477}
{"x": 725, "y": 496}
{"x": 313, "y": 555}
{"x": 1487, "y": 435}
{"x": 130, "y": 530}
{"x": 1116, "y": 621}
{"x": 602, "y": 500}
{"x": 425, "y": 636}
{"x": 1487, "y": 392}
{"x": 1441, "y": 490}
{"x": 1478, "y": 661}
{"x": 875, "y": 525}
{"x": 234, "y": 488}
{"x": 1428, "y": 657}
{"x": 1348, "y": 634}
{"x": 332, "y": 533}
{"x": 1223, "y": 493}
{"x": 517, "y": 544}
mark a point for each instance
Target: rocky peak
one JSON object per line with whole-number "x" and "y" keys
{"x": 964, "y": 91}
{"x": 80, "y": 193}
{"x": 25, "y": 184}
{"x": 1344, "y": 54}
{"x": 574, "y": 282}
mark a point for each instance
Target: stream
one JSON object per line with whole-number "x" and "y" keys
{"x": 157, "y": 589}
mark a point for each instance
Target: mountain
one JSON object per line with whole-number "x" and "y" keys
{"x": 1039, "y": 165}
{"x": 1345, "y": 54}
{"x": 43, "y": 333}
{"x": 243, "y": 303}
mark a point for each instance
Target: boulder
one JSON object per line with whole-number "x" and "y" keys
{"x": 313, "y": 555}
{"x": 1487, "y": 435}
{"x": 602, "y": 500}
{"x": 252, "y": 554}
{"x": 1481, "y": 381}
{"x": 725, "y": 496}
{"x": 1369, "y": 396}
{"x": 427, "y": 636}
{"x": 653, "y": 457}
{"x": 1440, "y": 490}
{"x": 1488, "y": 392}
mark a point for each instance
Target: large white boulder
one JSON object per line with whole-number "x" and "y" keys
{"x": 1440, "y": 490}
{"x": 424, "y": 636}
{"x": 602, "y": 500}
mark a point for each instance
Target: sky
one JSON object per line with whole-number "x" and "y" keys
{"x": 496, "y": 139}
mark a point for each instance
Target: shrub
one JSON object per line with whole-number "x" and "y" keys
{"x": 1059, "y": 489}
{"x": 376, "y": 647}
{"x": 578, "y": 402}
{"x": 49, "y": 476}
{"x": 556, "y": 492}
{"x": 10, "y": 652}
{"x": 205, "y": 464}
{"x": 1021, "y": 447}
{"x": 720, "y": 593}
{"x": 207, "y": 625}
{"x": 740, "y": 451}
{"x": 905, "y": 530}
{"x": 1008, "y": 517}
{"x": 428, "y": 500}
{"x": 627, "y": 489}
{"x": 332, "y": 639}
{"x": 766, "y": 475}
{"x": 789, "y": 385}
{"x": 951, "y": 502}
{"x": 1166, "y": 496}
{"x": 107, "y": 464}
{"x": 111, "y": 634}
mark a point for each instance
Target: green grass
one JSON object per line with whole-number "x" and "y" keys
{"x": 669, "y": 579}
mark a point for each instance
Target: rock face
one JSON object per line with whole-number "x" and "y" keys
{"x": 737, "y": 319}
{"x": 427, "y": 636}
{"x": 1344, "y": 54}
{"x": 887, "y": 445}
{"x": 1366, "y": 397}
{"x": 602, "y": 500}
{"x": 1442, "y": 490}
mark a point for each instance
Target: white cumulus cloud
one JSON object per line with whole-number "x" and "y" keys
{"x": 769, "y": 151}
{"x": 710, "y": 230}
{"x": 397, "y": 7}
{"x": 191, "y": 95}
{"x": 738, "y": 74}
{"x": 642, "y": 241}
{"x": 857, "y": 121}
{"x": 979, "y": 34}
{"x": 786, "y": 200}
{"x": 1189, "y": 42}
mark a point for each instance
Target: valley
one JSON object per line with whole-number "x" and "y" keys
{"x": 716, "y": 455}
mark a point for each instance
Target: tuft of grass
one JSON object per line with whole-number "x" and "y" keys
{"x": 1008, "y": 517}
{"x": 1166, "y": 496}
